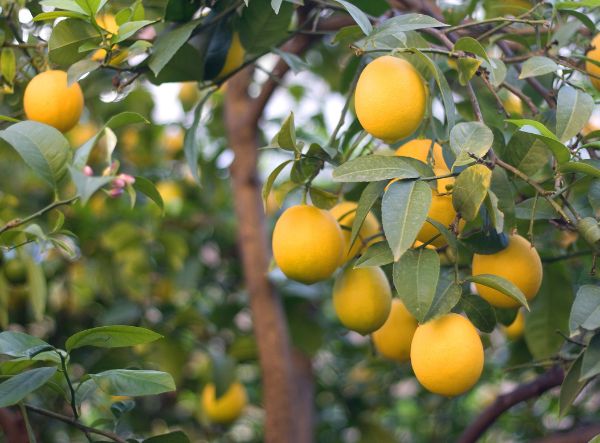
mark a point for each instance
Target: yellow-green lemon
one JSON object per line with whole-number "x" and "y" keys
{"x": 226, "y": 408}
{"x": 394, "y": 338}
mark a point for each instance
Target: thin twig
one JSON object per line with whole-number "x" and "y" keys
{"x": 70, "y": 421}
{"x": 522, "y": 96}
{"x": 21, "y": 221}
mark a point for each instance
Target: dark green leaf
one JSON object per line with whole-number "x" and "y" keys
{"x": 167, "y": 45}
{"x": 415, "y": 277}
{"x": 479, "y": 311}
{"x": 539, "y": 131}
{"x": 374, "y": 168}
{"x": 171, "y": 437}
{"x": 19, "y": 386}
{"x": 573, "y": 111}
{"x": 446, "y": 297}
{"x": 359, "y": 17}
{"x": 261, "y": 28}
{"x": 585, "y": 312}
{"x": 66, "y": 39}
{"x": 378, "y": 254}
{"x": 367, "y": 199}
{"x": 404, "y": 210}
{"x": 116, "y": 336}
{"x": 591, "y": 359}
{"x": 134, "y": 383}
{"x": 500, "y": 284}
{"x": 571, "y": 386}
{"x": 18, "y": 344}
{"x": 87, "y": 186}
{"x": 147, "y": 188}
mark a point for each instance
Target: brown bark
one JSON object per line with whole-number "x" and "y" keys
{"x": 581, "y": 434}
{"x": 305, "y": 396}
{"x": 13, "y": 426}
{"x": 548, "y": 380}
{"x": 269, "y": 320}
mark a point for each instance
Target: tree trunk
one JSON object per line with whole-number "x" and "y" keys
{"x": 279, "y": 390}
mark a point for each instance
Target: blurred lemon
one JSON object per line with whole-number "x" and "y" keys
{"x": 172, "y": 196}
{"x": 228, "y": 407}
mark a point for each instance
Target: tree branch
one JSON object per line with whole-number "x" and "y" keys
{"x": 72, "y": 422}
{"x": 21, "y": 221}
{"x": 580, "y": 434}
{"x": 504, "y": 402}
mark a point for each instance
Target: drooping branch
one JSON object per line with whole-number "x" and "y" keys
{"x": 504, "y": 402}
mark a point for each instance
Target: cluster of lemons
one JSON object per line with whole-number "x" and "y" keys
{"x": 310, "y": 244}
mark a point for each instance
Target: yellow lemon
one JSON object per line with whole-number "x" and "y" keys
{"x": 172, "y": 196}
{"x": 590, "y": 67}
{"x": 390, "y": 98}
{"x": 234, "y": 58}
{"x": 307, "y": 243}
{"x": 513, "y": 104}
{"x": 393, "y": 339}
{"x": 592, "y": 125}
{"x": 421, "y": 149}
{"x": 48, "y": 99}
{"x": 518, "y": 263}
{"x": 362, "y": 299}
{"x": 515, "y": 330}
{"x": 447, "y": 355}
{"x": 441, "y": 210}
{"x": 345, "y": 213}
{"x": 81, "y": 134}
{"x": 189, "y": 94}
{"x": 172, "y": 139}
{"x": 108, "y": 23}
{"x": 226, "y": 408}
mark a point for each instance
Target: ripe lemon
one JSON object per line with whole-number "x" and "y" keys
{"x": 390, "y": 98}
{"x": 49, "y": 100}
{"x": 172, "y": 196}
{"x": 515, "y": 330}
{"x": 345, "y": 213}
{"x": 81, "y": 134}
{"x": 362, "y": 299}
{"x": 519, "y": 263}
{"x": 441, "y": 210}
{"x": 226, "y": 408}
{"x": 307, "y": 243}
{"x": 447, "y": 355}
{"x": 234, "y": 58}
{"x": 513, "y": 104}
{"x": 590, "y": 67}
{"x": 189, "y": 94}
{"x": 393, "y": 339}
{"x": 420, "y": 149}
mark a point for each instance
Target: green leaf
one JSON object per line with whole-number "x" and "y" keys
{"x": 322, "y": 199}
{"x": 372, "y": 168}
{"x": 42, "y": 147}
{"x": 134, "y": 383}
{"x": 87, "y": 186}
{"x": 261, "y": 28}
{"x": 53, "y": 15}
{"x": 167, "y": 45}
{"x": 446, "y": 297}
{"x": 116, "y": 336}
{"x": 537, "y": 65}
{"x": 470, "y": 138}
{"x": 38, "y": 290}
{"x": 171, "y": 437}
{"x": 549, "y": 312}
{"x": 500, "y": 284}
{"x": 573, "y": 110}
{"x": 69, "y": 5}
{"x": 378, "y": 254}
{"x": 446, "y": 233}
{"x": 571, "y": 386}
{"x": 467, "y": 68}
{"x": 470, "y": 189}
{"x": 178, "y": 11}
{"x": 66, "y": 39}
{"x": 128, "y": 29}
{"x": 402, "y": 23}
{"x": 590, "y": 366}
{"x": 223, "y": 372}
{"x": 295, "y": 63}
{"x": 17, "y": 344}
{"x": 581, "y": 167}
{"x": 20, "y": 386}
{"x": 479, "y": 311}
{"x": 415, "y": 277}
{"x": 359, "y": 17}
{"x": 469, "y": 44}
{"x": 286, "y": 137}
{"x": 369, "y": 196}
{"x": 442, "y": 83}
{"x": 539, "y": 131}
{"x": 497, "y": 70}
{"x": 147, "y": 188}
{"x": 404, "y": 210}
{"x": 585, "y": 312}
{"x": 589, "y": 229}
{"x": 80, "y": 69}
{"x": 8, "y": 65}
{"x": 271, "y": 179}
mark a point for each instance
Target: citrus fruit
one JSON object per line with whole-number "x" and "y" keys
{"x": 362, "y": 299}
{"x": 590, "y": 67}
{"x": 189, "y": 94}
{"x": 515, "y": 330}
{"x": 518, "y": 263}
{"x": 234, "y": 58}
{"x": 172, "y": 196}
{"x": 390, "y": 98}
{"x": 48, "y": 99}
{"x": 226, "y": 408}
{"x": 441, "y": 210}
{"x": 15, "y": 271}
{"x": 307, "y": 243}
{"x": 422, "y": 149}
{"x": 345, "y": 213}
{"x": 81, "y": 134}
{"x": 512, "y": 104}
{"x": 447, "y": 355}
{"x": 393, "y": 339}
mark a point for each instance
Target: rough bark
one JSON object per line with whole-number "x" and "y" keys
{"x": 548, "y": 380}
